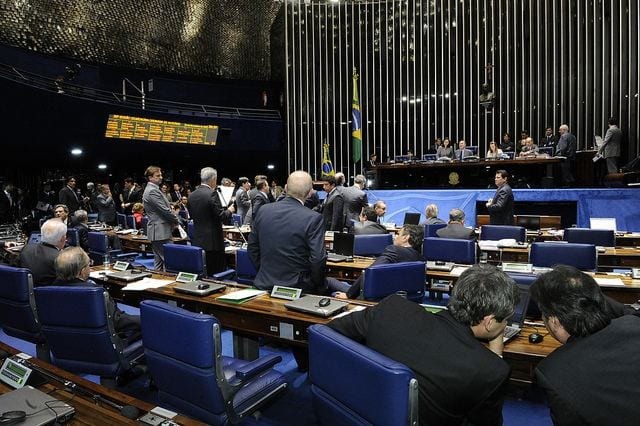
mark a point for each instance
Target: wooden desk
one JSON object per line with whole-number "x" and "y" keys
{"x": 140, "y": 243}
{"x": 349, "y": 270}
{"x": 90, "y": 411}
{"x": 523, "y": 356}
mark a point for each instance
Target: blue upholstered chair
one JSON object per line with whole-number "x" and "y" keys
{"x": 581, "y": 256}
{"x": 499, "y": 232}
{"x": 93, "y": 217}
{"x": 79, "y": 329}
{"x": 510, "y": 155}
{"x": 546, "y": 150}
{"x": 355, "y": 385}
{"x": 183, "y": 353}
{"x": 144, "y": 223}
{"x": 131, "y": 221}
{"x": 190, "y": 226}
{"x": 449, "y": 250}
{"x": 121, "y": 220}
{"x": 99, "y": 247}
{"x": 236, "y": 219}
{"x": 34, "y": 238}
{"x": 598, "y": 237}
{"x": 245, "y": 271}
{"x": 73, "y": 237}
{"x": 429, "y": 157}
{"x": 18, "y": 313}
{"x": 371, "y": 245}
{"x": 184, "y": 258}
{"x": 473, "y": 149}
{"x": 430, "y": 230}
{"x": 383, "y": 280}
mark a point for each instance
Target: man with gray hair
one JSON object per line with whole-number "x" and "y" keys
{"x": 286, "y": 243}
{"x": 208, "y": 214}
{"x": 39, "y": 258}
{"x": 567, "y": 146}
{"x": 461, "y": 379}
{"x": 431, "y": 213}
{"x": 455, "y": 228}
{"x": 354, "y": 200}
{"x": 82, "y": 220}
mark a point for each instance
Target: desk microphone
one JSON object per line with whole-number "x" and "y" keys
{"x": 246, "y": 244}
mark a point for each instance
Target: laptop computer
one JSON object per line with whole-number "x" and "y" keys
{"x": 342, "y": 247}
{"x": 311, "y": 305}
{"x": 514, "y": 327}
{"x": 411, "y": 218}
{"x": 439, "y": 265}
{"x": 606, "y": 223}
{"x": 40, "y": 409}
{"x": 187, "y": 282}
{"x": 128, "y": 275}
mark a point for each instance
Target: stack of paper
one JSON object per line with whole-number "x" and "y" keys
{"x": 241, "y": 296}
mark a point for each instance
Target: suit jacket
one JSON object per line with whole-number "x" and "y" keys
{"x": 106, "y": 208}
{"x": 69, "y": 198}
{"x": 465, "y": 153}
{"x": 259, "y": 199}
{"x": 243, "y": 203}
{"x": 208, "y": 214}
{"x": 286, "y": 245}
{"x": 501, "y": 208}
{"x": 367, "y": 227}
{"x": 567, "y": 146}
{"x": 457, "y": 231}
{"x": 433, "y": 221}
{"x": 354, "y": 200}
{"x": 595, "y": 379}
{"x": 157, "y": 208}
{"x": 547, "y": 141}
{"x": 459, "y": 379}
{"x": 611, "y": 145}
{"x": 332, "y": 211}
{"x": 131, "y": 197}
{"x": 445, "y": 151}
{"x": 39, "y": 259}
{"x": 83, "y": 236}
{"x": 391, "y": 254}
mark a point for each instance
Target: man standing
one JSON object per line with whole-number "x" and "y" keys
{"x": 567, "y": 147}
{"x": 243, "y": 202}
{"x": 332, "y": 206}
{"x": 286, "y": 243}
{"x": 548, "y": 140}
{"x": 461, "y": 379}
{"x": 455, "y": 228}
{"x": 68, "y": 196}
{"x": 260, "y": 197}
{"x": 355, "y": 199}
{"x": 161, "y": 218}
{"x": 208, "y": 215}
{"x": 462, "y": 152}
{"x": 130, "y": 196}
{"x": 610, "y": 149}
{"x": 501, "y": 205}
{"x": 39, "y": 258}
{"x": 593, "y": 377}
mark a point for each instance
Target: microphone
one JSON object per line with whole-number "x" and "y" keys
{"x": 246, "y": 244}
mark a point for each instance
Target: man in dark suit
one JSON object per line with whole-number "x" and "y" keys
{"x": 548, "y": 140}
{"x": 593, "y": 377}
{"x": 501, "y": 205}
{"x": 68, "y": 195}
{"x": 333, "y": 206}
{"x": 161, "y": 217}
{"x": 260, "y": 197}
{"x": 367, "y": 223}
{"x": 72, "y": 269}
{"x": 610, "y": 149}
{"x": 405, "y": 248}
{"x": 286, "y": 243}
{"x": 130, "y": 195}
{"x": 39, "y": 258}
{"x": 431, "y": 214}
{"x": 82, "y": 219}
{"x": 355, "y": 199}
{"x": 462, "y": 152}
{"x": 208, "y": 215}
{"x": 61, "y": 212}
{"x": 567, "y": 146}
{"x": 455, "y": 228}
{"x": 461, "y": 379}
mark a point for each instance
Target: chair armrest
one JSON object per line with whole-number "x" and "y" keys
{"x": 114, "y": 252}
{"x": 224, "y": 274}
{"x": 256, "y": 367}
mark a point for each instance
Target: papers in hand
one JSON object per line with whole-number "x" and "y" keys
{"x": 241, "y": 296}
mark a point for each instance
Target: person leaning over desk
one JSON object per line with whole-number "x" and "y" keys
{"x": 460, "y": 379}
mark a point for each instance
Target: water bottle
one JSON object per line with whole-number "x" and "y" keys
{"x": 106, "y": 262}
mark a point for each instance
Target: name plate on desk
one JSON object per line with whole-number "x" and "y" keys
{"x": 525, "y": 268}
{"x": 286, "y": 293}
{"x": 121, "y": 266}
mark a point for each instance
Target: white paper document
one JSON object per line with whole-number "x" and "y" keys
{"x": 147, "y": 283}
{"x": 609, "y": 281}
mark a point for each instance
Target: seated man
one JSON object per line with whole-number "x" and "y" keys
{"x": 61, "y": 211}
{"x": 593, "y": 377}
{"x": 455, "y": 228}
{"x": 39, "y": 258}
{"x": 368, "y": 223}
{"x": 405, "y": 248}
{"x": 529, "y": 149}
{"x": 460, "y": 378}
{"x": 82, "y": 220}
{"x": 462, "y": 152}
{"x": 431, "y": 213}
{"x": 72, "y": 269}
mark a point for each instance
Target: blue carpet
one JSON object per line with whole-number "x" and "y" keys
{"x": 295, "y": 407}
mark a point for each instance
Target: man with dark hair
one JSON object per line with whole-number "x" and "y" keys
{"x": 610, "y": 148}
{"x": 455, "y": 228}
{"x": 332, "y": 206}
{"x": 381, "y": 209}
{"x": 593, "y": 377}
{"x": 406, "y": 247}
{"x": 130, "y": 195}
{"x": 549, "y": 139}
{"x": 355, "y": 199}
{"x": 68, "y": 195}
{"x": 501, "y": 205}
{"x": 260, "y": 197}
{"x": 243, "y": 202}
{"x": 367, "y": 223}
{"x": 460, "y": 379}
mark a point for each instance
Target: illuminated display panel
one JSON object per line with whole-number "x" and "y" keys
{"x": 126, "y": 127}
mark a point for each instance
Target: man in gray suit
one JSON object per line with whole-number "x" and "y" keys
{"x": 610, "y": 149}
{"x": 455, "y": 228}
{"x": 354, "y": 200}
{"x": 161, "y": 217}
{"x": 367, "y": 224}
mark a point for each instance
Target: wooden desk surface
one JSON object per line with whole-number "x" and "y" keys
{"x": 88, "y": 410}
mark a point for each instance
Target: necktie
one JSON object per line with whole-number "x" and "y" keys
{"x": 460, "y": 155}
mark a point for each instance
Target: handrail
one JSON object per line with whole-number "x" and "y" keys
{"x": 67, "y": 88}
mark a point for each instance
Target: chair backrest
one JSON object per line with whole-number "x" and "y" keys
{"x": 18, "y": 314}
{"x": 34, "y": 238}
{"x": 93, "y": 217}
{"x": 347, "y": 378}
{"x": 449, "y": 250}
{"x": 245, "y": 271}
{"x": 401, "y": 158}
{"x": 598, "y": 237}
{"x": 385, "y": 279}
{"x": 73, "y": 239}
{"x": 499, "y": 232}
{"x": 121, "y": 220}
{"x": 546, "y": 150}
{"x": 80, "y": 334}
{"x": 473, "y": 149}
{"x": 98, "y": 242}
{"x": 190, "y": 230}
{"x": 183, "y": 258}
{"x": 430, "y": 230}
{"x": 236, "y": 219}
{"x": 130, "y": 221}
{"x": 581, "y": 256}
{"x": 509, "y": 154}
{"x": 371, "y": 245}
{"x": 429, "y": 157}
{"x": 145, "y": 222}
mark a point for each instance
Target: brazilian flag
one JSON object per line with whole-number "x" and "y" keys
{"x": 356, "y": 124}
{"x": 327, "y": 167}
